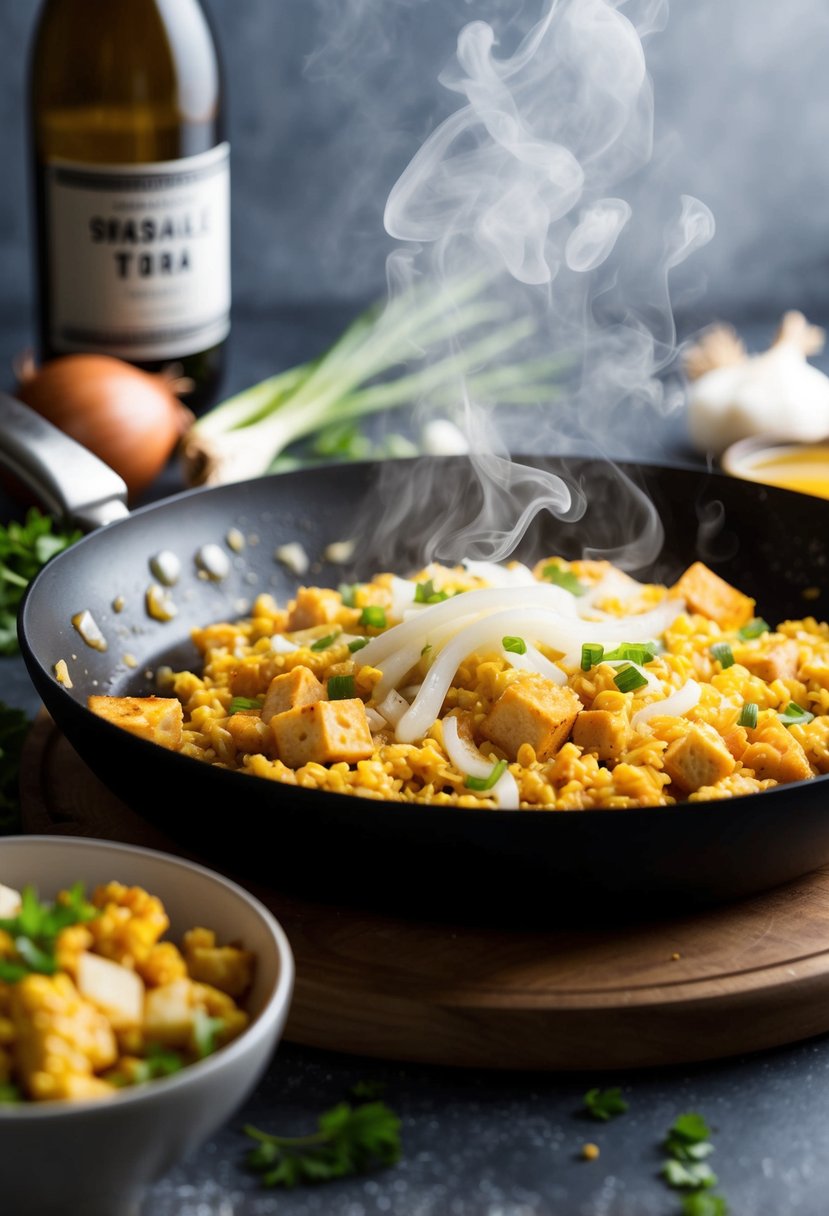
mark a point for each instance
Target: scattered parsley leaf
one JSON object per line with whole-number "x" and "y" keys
{"x": 24, "y": 549}
{"x": 605, "y": 1104}
{"x": 349, "y": 1140}
{"x": 691, "y": 1175}
{"x": 367, "y": 1091}
{"x": 427, "y": 593}
{"x": 703, "y": 1203}
{"x": 36, "y": 927}
{"x": 690, "y": 1128}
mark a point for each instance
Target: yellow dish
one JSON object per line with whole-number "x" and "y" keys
{"x": 794, "y": 466}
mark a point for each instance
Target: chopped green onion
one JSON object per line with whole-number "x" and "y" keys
{"x": 627, "y": 679}
{"x": 340, "y": 688}
{"x": 795, "y": 714}
{"x": 748, "y": 715}
{"x": 754, "y": 629}
{"x": 357, "y": 644}
{"x": 374, "y": 616}
{"x": 206, "y": 1031}
{"x": 427, "y": 593}
{"x": 591, "y": 654}
{"x": 348, "y": 592}
{"x": 634, "y": 652}
{"x": 486, "y": 783}
{"x": 240, "y": 703}
{"x": 514, "y": 645}
{"x": 324, "y": 643}
{"x": 723, "y": 653}
{"x": 563, "y": 578}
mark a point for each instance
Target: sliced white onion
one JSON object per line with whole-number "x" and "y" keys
{"x": 375, "y": 721}
{"x": 534, "y": 660}
{"x": 393, "y": 707}
{"x": 281, "y": 645}
{"x": 468, "y": 760}
{"x": 469, "y": 603}
{"x": 516, "y": 575}
{"x": 640, "y": 627}
{"x": 677, "y": 704}
{"x": 402, "y": 596}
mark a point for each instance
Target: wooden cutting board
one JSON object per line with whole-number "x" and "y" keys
{"x": 739, "y": 978}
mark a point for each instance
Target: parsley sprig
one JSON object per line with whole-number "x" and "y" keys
{"x": 24, "y": 549}
{"x": 687, "y": 1145}
{"x": 349, "y": 1140}
{"x": 605, "y": 1104}
{"x": 35, "y": 931}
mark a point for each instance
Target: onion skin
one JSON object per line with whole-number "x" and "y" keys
{"x": 131, "y": 419}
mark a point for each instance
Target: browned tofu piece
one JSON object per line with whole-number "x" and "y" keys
{"x": 290, "y": 690}
{"x": 531, "y": 710}
{"x": 709, "y": 595}
{"x": 774, "y": 753}
{"x": 158, "y": 719}
{"x": 247, "y": 681}
{"x": 326, "y": 732}
{"x": 250, "y": 733}
{"x": 777, "y": 662}
{"x": 698, "y": 758}
{"x": 314, "y": 606}
{"x": 601, "y": 732}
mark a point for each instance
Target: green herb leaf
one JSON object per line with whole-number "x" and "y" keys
{"x": 748, "y": 715}
{"x": 722, "y": 652}
{"x": 628, "y": 679}
{"x": 514, "y": 645}
{"x": 324, "y": 643}
{"x": 240, "y": 703}
{"x": 357, "y": 644}
{"x": 703, "y": 1203}
{"x": 684, "y": 1150}
{"x": 348, "y": 593}
{"x": 24, "y": 549}
{"x": 374, "y": 616}
{"x": 486, "y": 783}
{"x": 691, "y": 1128}
{"x": 349, "y": 1140}
{"x": 367, "y": 1091}
{"x": 634, "y": 652}
{"x": 592, "y": 653}
{"x": 35, "y": 930}
{"x": 605, "y": 1104}
{"x": 341, "y": 688}
{"x": 563, "y": 578}
{"x": 206, "y": 1031}
{"x": 795, "y": 715}
{"x": 427, "y": 593}
{"x": 692, "y": 1175}
{"x": 754, "y": 629}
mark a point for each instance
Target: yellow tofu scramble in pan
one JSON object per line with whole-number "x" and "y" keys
{"x": 565, "y": 687}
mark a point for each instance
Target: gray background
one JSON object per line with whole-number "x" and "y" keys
{"x": 328, "y": 100}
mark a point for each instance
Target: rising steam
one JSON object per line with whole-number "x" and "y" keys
{"x": 525, "y": 183}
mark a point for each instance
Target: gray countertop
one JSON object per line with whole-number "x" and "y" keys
{"x": 491, "y": 1143}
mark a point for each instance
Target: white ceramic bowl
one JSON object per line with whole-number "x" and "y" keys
{"x": 96, "y": 1158}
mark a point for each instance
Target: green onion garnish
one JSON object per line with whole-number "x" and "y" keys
{"x": 324, "y": 643}
{"x": 357, "y": 644}
{"x": 340, "y": 688}
{"x": 722, "y": 652}
{"x": 754, "y": 629}
{"x": 795, "y": 714}
{"x": 634, "y": 652}
{"x": 427, "y": 593}
{"x": 374, "y": 616}
{"x": 486, "y": 783}
{"x": 348, "y": 592}
{"x": 748, "y": 715}
{"x": 591, "y": 654}
{"x": 514, "y": 645}
{"x": 240, "y": 703}
{"x": 563, "y": 578}
{"x": 627, "y": 679}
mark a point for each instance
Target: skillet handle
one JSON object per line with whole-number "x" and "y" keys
{"x": 66, "y": 477}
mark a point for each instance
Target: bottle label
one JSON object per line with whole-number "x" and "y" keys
{"x": 140, "y": 256}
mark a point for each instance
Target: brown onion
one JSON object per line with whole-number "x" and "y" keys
{"x": 131, "y": 419}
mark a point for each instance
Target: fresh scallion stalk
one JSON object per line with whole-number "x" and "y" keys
{"x": 633, "y": 652}
{"x": 357, "y": 644}
{"x": 628, "y": 679}
{"x": 341, "y": 688}
{"x": 324, "y": 643}
{"x": 795, "y": 715}
{"x": 486, "y": 783}
{"x": 591, "y": 654}
{"x": 722, "y": 652}
{"x": 240, "y": 703}
{"x": 560, "y": 577}
{"x": 754, "y": 629}
{"x": 748, "y": 715}
{"x": 373, "y": 616}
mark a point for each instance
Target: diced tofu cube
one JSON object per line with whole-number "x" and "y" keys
{"x": 158, "y": 719}
{"x": 776, "y": 662}
{"x": 532, "y": 710}
{"x": 290, "y": 690}
{"x": 249, "y": 732}
{"x": 326, "y": 732}
{"x": 169, "y": 1013}
{"x": 699, "y": 758}
{"x": 709, "y": 595}
{"x": 10, "y": 902}
{"x": 247, "y": 681}
{"x": 314, "y": 606}
{"x": 601, "y": 732}
{"x": 774, "y": 753}
{"x": 115, "y": 990}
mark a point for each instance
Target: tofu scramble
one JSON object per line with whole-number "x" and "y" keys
{"x": 569, "y": 686}
{"x": 92, "y": 1000}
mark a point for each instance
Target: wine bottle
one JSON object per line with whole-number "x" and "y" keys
{"x": 131, "y": 185}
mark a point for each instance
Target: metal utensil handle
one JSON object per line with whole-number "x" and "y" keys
{"x": 66, "y": 477}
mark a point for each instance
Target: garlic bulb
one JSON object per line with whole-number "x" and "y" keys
{"x": 733, "y": 395}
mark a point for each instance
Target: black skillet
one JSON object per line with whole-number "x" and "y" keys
{"x": 771, "y": 543}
